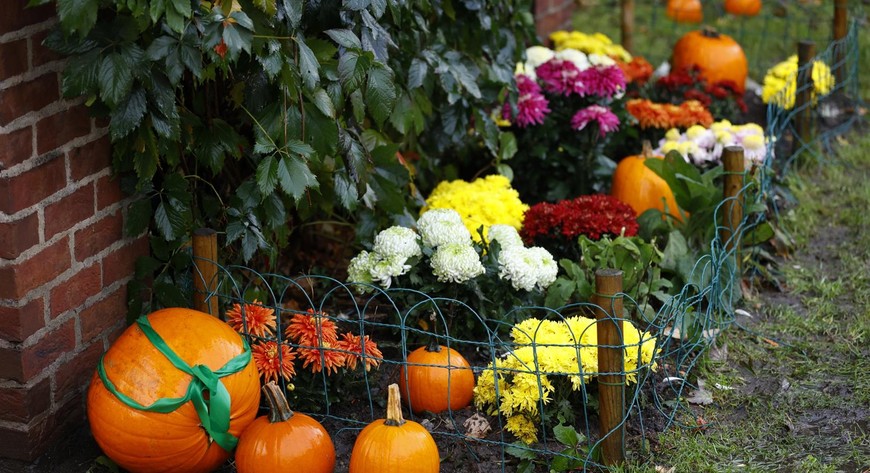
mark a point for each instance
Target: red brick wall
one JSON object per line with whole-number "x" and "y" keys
{"x": 64, "y": 262}
{"x": 552, "y": 15}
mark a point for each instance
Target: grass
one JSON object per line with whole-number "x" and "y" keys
{"x": 800, "y": 392}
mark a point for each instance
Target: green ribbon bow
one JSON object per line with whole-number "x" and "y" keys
{"x": 214, "y": 411}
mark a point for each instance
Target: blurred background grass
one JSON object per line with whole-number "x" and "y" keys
{"x": 767, "y": 38}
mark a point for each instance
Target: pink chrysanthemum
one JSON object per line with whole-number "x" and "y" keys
{"x": 358, "y": 348}
{"x": 603, "y": 81}
{"x": 256, "y": 319}
{"x": 607, "y": 121}
{"x": 562, "y": 77}
{"x": 532, "y": 106}
{"x": 271, "y": 363}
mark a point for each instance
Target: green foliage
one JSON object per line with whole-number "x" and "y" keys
{"x": 640, "y": 262}
{"x": 252, "y": 116}
{"x": 572, "y": 456}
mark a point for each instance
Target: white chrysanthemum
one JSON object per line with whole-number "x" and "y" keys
{"x": 384, "y": 269}
{"x": 537, "y": 55}
{"x": 456, "y": 262}
{"x": 517, "y": 265}
{"x": 505, "y": 235}
{"x": 441, "y": 227}
{"x": 754, "y": 148}
{"x": 601, "y": 60}
{"x": 546, "y": 270}
{"x": 359, "y": 269}
{"x": 397, "y": 242}
{"x": 573, "y": 55}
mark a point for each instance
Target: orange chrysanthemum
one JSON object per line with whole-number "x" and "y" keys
{"x": 331, "y": 360}
{"x": 639, "y": 70}
{"x": 311, "y": 329}
{"x": 360, "y": 348}
{"x": 271, "y": 363}
{"x": 666, "y": 116}
{"x": 258, "y": 320}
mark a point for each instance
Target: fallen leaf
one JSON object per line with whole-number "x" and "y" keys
{"x": 477, "y": 426}
{"x": 701, "y": 395}
{"x": 771, "y": 342}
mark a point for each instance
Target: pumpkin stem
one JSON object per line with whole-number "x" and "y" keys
{"x": 394, "y": 406}
{"x": 279, "y": 409}
{"x": 709, "y": 32}
{"x": 647, "y": 151}
{"x": 433, "y": 346}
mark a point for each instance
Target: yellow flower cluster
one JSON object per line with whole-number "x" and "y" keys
{"x": 546, "y": 348}
{"x": 780, "y": 83}
{"x": 596, "y": 43}
{"x": 485, "y": 201}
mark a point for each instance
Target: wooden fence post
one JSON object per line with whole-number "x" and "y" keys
{"x": 205, "y": 271}
{"x": 627, "y": 25}
{"x": 841, "y": 27}
{"x": 732, "y": 206}
{"x": 611, "y": 386}
{"x": 804, "y": 95}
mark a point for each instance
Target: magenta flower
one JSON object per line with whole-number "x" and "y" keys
{"x": 607, "y": 121}
{"x": 532, "y": 106}
{"x": 562, "y": 77}
{"x": 604, "y": 81}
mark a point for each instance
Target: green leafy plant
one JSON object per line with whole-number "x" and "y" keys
{"x": 255, "y": 117}
{"x": 571, "y": 457}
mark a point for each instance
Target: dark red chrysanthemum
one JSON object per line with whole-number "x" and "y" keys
{"x": 591, "y": 215}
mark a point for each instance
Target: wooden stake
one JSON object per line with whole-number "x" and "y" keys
{"x": 205, "y": 271}
{"x": 611, "y": 386}
{"x": 841, "y": 27}
{"x": 803, "y": 101}
{"x": 627, "y": 24}
{"x": 732, "y": 206}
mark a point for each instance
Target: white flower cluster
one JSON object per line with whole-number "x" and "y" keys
{"x": 700, "y": 145}
{"x": 454, "y": 258}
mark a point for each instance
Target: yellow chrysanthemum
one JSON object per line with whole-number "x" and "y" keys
{"x": 596, "y": 43}
{"x": 483, "y": 202}
{"x": 780, "y": 82}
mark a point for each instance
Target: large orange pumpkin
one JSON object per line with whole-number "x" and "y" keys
{"x": 717, "y": 56}
{"x": 284, "y": 440}
{"x": 743, "y": 7}
{"x": 394, "y": 445}
{"x": 438, "y": 378}
{"x": 173, "y": 393}
{"x": 640, "y": 187}
{"x": 685, "y": 11}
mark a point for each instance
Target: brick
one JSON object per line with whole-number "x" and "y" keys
{"x": 76, "y": 373}
{"x": 14, "y": 61}
{"x": 16, "y": 280}
{"x": 39, "y": 53}
{"x": 16, "y": 147}
{"x": 28, "y": 96}
{"x": 31, "y": 187}
{"x": 122, "y": 262}
{"x": 22, "y": 403}
{"x": 90, "y": 158}
{"x": 39, "y": 356}
{"x": 98, "y": 236}
{"x": 73, "y": 292}
{"x": 10, "y": 364}
{"x": 18, "y": 323}
{"x": 16, "y": 15}
{"x": 68, "y": 211}
{"x": 18, "y": 236}
{"x": 28, "y": 442}
{"x": 103, "y": 315}
{"x": 62, "y": 127}
{"x": 108, "y": 192}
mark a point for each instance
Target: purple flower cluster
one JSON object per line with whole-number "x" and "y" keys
{"x": 532, "y": 106}
{"x": 607, "y": 120}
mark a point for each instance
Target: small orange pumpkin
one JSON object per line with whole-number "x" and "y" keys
{"x": 173, "y": 393}
{"x": 743, "y": 7}
{"x": 640, "y": 187}
{"x": 717, "y": 56}
{"x": 284, "y": 440}
{"x": 394, "y": 445}
{"x": 685, "y": 11}
{"x": 438, "y": 378}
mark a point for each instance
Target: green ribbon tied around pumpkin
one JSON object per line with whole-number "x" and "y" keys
{"x": 213, "y": 411}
